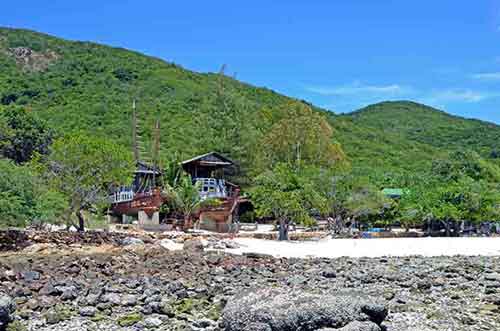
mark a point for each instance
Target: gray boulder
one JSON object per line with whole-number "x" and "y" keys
{"x": 493, "y": 277}
{"x": 132, "y": 241}
{"x": 88, "y": 311}
{"x": 329, "y": 273}
{"x": 91, "y": 299}
{"x": 375, "y": 311}
{"x": 152, "y": 322}
{"x": 7, "y": 308}
{"x": 169, "y": 244}
{"x": 193, "y": 245}
{"x": 285, "y": 309}
{"x": 231, "y": 244}
{"x": 129, "y": 300}
{"x": 69, "y": 293}
{"x": 112, "y": 298}
{"x": 50, "y": 289}
{"x": 30, "y": 276}
{"x": 356, "y": 326}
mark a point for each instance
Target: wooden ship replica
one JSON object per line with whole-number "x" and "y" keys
{"x": 208, "y": 173}
{"x": 142, "y": 200}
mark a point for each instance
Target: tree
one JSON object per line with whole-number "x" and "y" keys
{"x": 22, "y": 134}
{"x": 412, "y": 207}
{"x": 171, "y": 170}
{"x": 50, "y": 206}
{"x": 366, "y": 204}
{"x": 444, "y": 205}
{"x": 299, "y": 136}
{"x": 389, "y": 213}
{"x": 82, "y": 168}
{"x": 226, "y": 123}
{"x": 185, "y": 198}
{"x": 464, "y": 188}
{"x": 465, "y": 164}
{"x": 479, "y": 201}
{"x": 287, "y": 195}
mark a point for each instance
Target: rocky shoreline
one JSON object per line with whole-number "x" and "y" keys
{"x": 146, "y": 286}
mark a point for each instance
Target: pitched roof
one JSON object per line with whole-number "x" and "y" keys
{"x": 212, "y": 158}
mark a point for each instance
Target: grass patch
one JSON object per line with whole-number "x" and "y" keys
{"x": 16, "y": 326}
{"x": 129, "y": 319}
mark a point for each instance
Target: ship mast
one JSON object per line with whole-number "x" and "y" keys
{"x": 135, "y": 143}
{"x": 156, "y": 149}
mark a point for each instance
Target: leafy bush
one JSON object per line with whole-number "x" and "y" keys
{"x": 17, "y": 194}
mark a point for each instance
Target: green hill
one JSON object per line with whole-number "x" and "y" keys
{"x": 404, "y": 136}
{"x": 90, "y": 87}
{"x": 82, "y": 85}
{"x": 420, "y": 123}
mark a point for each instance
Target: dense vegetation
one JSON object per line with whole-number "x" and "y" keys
{"x": 426, "y": 125}
{"x": 52, "y": 89}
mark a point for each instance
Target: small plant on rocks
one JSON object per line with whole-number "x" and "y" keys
{"x": 129, "y": 320}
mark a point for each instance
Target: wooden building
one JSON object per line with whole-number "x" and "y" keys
{"x": 142, "y": 201}
{"x": 208, "y": 171}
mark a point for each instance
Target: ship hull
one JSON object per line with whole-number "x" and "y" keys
{"x": 147, "y": 202}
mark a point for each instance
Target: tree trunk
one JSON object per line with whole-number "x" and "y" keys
{"x": 187, "y": 222}
{"x": 81, "y": 220}
{"x": 429, "y": 224}
{"x": 447, "y": 228}
{"x": 283, "y": 230}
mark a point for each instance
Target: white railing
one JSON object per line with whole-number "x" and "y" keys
{"x": 122, "y": 196}
{"x": 211, "y": 188}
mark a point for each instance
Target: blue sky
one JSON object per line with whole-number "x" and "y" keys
{"x": 340, "y": 55}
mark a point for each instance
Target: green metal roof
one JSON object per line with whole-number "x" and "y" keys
{"x": 393, "y": 192}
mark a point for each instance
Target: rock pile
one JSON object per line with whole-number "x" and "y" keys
{"x": 144, "y": 286}
{"x": 37, "y": 241}
{"x": 13, "y": 240}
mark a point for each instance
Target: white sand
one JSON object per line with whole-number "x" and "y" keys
{"x": 372, "y": 247}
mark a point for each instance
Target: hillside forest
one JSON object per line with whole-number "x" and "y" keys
{"x": 66, "y": 136}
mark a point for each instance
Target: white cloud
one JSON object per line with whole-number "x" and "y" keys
{"x": 458, "y": 95}
{"x": 359, "y": 89}
{"x": 487, "y": 76}
{"x": 352, "y": 96}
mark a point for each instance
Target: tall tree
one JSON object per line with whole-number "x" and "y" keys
{"x": 287, "y": 195}
{"x": 366, "y": 204}
{"x": 298, "y": 135}
{"x": 226, "y": 123}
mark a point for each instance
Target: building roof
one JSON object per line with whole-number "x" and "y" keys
{"x": 394, "y": 192}
{"x": 212, "y": 159}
